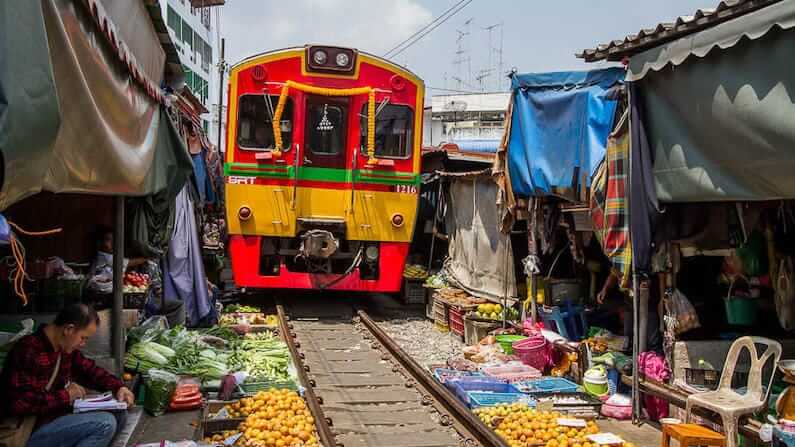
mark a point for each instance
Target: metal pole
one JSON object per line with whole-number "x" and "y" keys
{"x": 221, "y": 70}
{"x": 643, "y": 315}
{"x": 533, "y": 279}
{"x": 433, "y": 229}
{"x": 635, "y": 293}
{"x": 635, "y": 349}
{"x": 505, "y": 296}
{"x": 117, "y": 327}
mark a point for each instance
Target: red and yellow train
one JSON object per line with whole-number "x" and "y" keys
{"x": 322, "y": 169}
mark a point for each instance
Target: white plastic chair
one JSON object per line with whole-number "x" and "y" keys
{"x": 729, "y": 404}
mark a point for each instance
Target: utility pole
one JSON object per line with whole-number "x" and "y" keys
{"x": 221, "y": 72}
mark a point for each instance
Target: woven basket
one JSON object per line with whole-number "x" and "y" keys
{"x": 533, "y": 352}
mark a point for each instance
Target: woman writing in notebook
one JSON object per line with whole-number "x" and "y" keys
{"x": 45, "y": 373}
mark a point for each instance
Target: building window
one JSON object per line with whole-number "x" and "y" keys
{"x": 174, "y": 22}
{"x": 188, "y": 77}
{"x": 326, "y": 126}
{"x": 187, "y": 34}
{"x": 255, "y": 126}
{"x": 394, "y": 126}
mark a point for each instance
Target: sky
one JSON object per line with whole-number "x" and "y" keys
{"x": 537, "y": 35}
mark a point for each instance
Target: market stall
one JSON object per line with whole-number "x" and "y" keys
{"x": 709, "y": 195}
{"x": 239, "y": 373}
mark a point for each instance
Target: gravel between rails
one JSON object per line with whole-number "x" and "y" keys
{"x": 419, "y": 338}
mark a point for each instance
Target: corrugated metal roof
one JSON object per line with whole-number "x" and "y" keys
{"x": 666, "y": 32}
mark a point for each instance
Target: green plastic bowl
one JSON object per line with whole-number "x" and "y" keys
{"x": 506, "y": 341}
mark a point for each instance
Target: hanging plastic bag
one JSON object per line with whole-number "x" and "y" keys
{"x": 149, "y": 330}
{"x": 680, "y": 315}
{"x": 785, "y": 295}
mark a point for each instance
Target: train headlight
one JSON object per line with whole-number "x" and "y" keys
{"x": 244, "y": 213}
{"x": 342, "y": 60}
{"x": 371, "y": 253}
{"x": 320, "y": 57}
{"x": 398, "y": 220}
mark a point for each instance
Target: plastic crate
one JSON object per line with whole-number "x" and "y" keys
{"x": 442, "y": 375}
{"x": 710, "y": 378}
{"x": 782, "y": 438}
{"x": 457, "y": 327}
{"x": 464, "y": 389}
{"x": 547, "y": 385}
{"x": 251, "y": 388}
{"x": 59, "y": 293}
{"x": 413, "y": 291}
{"x": 472, "y": 379}
{"x": 440, "y": 315}
{"x": 474, "y": 331}
{"x": 134, "y": 300}
{"x": 478, "y": 399}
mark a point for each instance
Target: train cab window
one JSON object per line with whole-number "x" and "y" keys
{"x": 255, "y": 124}
{"x": 394, "y": 125}
{"x": 326, "y": 126}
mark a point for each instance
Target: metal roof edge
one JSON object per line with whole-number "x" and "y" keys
{"x": 665, "y": 32}
{"x": 750, "y": 26}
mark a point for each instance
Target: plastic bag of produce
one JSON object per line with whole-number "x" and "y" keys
{"x": 149, "y": 330}
{"x": 159, "y": 386}
{"x": 680, "y": 315}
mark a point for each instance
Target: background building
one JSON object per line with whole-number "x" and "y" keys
{"x": 474, "y": 122}
{"x": 193, "y": 26}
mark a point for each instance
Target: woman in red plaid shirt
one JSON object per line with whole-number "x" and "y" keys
{"x": 45, "y": 373}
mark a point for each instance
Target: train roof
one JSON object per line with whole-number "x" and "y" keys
{"x": 284, "y": 50}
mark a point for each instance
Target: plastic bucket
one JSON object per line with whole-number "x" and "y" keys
{"x": 506, "y": 341}
{"x": 741, "y": 311}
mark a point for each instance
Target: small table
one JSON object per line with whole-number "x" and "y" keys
{"x": 691, "y": 435}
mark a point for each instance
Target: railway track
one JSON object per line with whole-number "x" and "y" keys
{"x": 365, "y": 391}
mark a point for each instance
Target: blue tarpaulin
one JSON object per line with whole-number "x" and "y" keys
{"x": 559, "y": 129}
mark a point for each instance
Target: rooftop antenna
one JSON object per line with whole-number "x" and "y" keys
{"x": 494, "y": 50}
{"x": 462, "y": 54}
{"x": 484, "y": 74}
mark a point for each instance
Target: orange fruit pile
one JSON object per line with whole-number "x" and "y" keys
{"x": 275, "y": 418}
{"x": 521, "y": 426}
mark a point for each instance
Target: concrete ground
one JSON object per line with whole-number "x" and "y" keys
{"x": 171, "y": 426}
{"x": 645, "y": 435}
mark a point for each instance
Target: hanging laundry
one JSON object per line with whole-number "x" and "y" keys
{"x": 184, "y": 278}
{"x": 609, "y": 203}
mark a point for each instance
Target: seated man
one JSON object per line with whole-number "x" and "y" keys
{"x": 45, "y": 373}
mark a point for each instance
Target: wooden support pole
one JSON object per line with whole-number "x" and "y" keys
{"x": 117, "y": 326}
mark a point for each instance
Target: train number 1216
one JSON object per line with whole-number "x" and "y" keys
{"x": 406, "y": 189}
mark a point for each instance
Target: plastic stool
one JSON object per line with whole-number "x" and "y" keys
{"x": 691, "y": 435}
{"x": 574, "y": 315}
{"x": 553, "y": 315}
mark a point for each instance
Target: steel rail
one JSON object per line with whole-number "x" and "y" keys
{"x": 486, "y": 436}
{"x": 327, "y": 438}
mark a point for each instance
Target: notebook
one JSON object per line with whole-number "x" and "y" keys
{"x": 102, "y": 402}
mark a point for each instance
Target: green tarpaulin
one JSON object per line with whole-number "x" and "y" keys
{"x": 72, "y": 119}
{"x": 720, "y": 109}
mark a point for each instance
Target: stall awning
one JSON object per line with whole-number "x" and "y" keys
{"x": 751, "y": 26}
{"x": 559, "y": 129}
{"x": 718, "y": 108}
{"x": 80, "y": 105}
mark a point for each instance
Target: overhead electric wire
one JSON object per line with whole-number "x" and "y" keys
{"x": 423, "y": 28}
{"x": 416, "y": 37}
